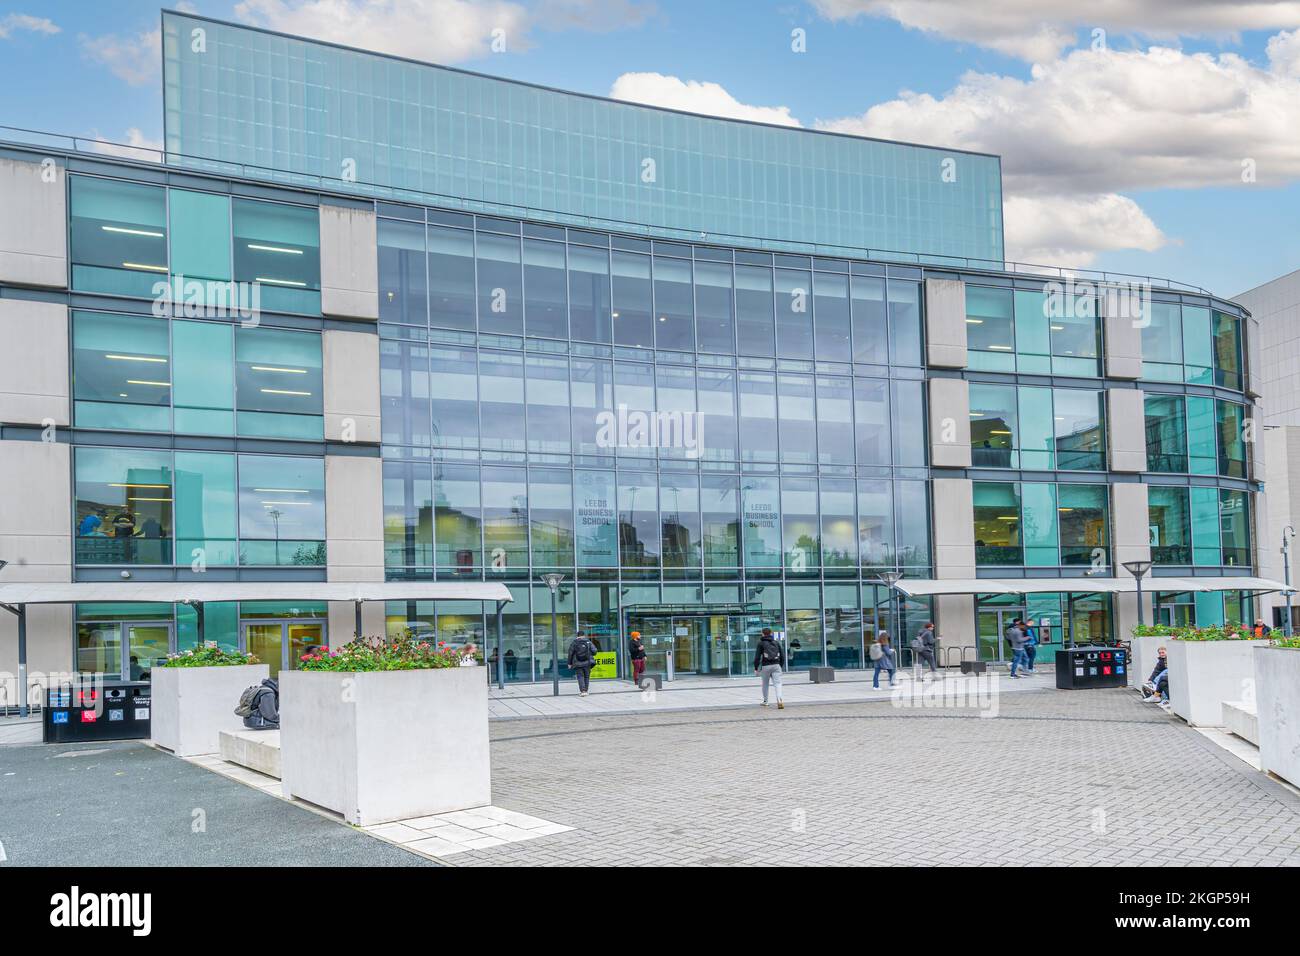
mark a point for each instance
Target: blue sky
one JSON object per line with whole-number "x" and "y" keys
{"x": 1126, "y": 156}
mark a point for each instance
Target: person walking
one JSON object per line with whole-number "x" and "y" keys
{"x": 582, "y": 658}
{"x": 1015, "y": 635}
{"x": 636, "y": 654}
{"x": 1031, "y": 643}
{"x": 883, "y": 655}
{"x": 924, "y": 648}
{"x": 769, "y": 659}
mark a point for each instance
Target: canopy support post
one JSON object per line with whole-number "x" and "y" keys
{"x": 501, "y": 654}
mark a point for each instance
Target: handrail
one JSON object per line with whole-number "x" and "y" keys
{"x": 147, "y": 154}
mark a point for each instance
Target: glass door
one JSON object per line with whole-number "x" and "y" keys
{"x": 281, "y": 644}
{"x": 993, "y": 623}
{"x": 266, "y": 643}
{"x": 657, "y": 636}
{"x": 687, "y": 638}
{"x": 147, "y": 646}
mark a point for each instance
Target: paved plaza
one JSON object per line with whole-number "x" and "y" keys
{"x": 1043, "y": 777}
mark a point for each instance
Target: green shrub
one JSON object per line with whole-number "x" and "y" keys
{"x": 1212, "y": 632}
{"x": 209, "y": 655}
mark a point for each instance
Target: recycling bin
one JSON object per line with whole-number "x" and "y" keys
{"x": 1082, "y": 668}
{"x": 97, "y": 710}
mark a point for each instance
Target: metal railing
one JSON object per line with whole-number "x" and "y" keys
{"x": 347, "y": 187}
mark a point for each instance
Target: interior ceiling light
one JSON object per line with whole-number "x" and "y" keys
{"x": 133, "y": 232}
{"x": 283, "y": 249}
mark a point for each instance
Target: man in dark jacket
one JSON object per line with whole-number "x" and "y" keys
{"x": 1157, "y": 685}
{"x": 636, "y": 654}
{"x": 582, "y": 658}
{"x": 924, "y": 646}
{"x": 266, "y": 707}
{"x": 769, "y": 659}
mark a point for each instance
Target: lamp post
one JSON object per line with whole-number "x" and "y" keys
{"x": 552, "y": 581}
{"x": 890, "y": 580}
{"x": 1138, "y": 569}
{"x": 1287, "y": 534}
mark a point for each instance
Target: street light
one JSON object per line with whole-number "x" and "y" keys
{"x": 890, "y": 580}
{"x": 1287, "y": 534}
{"x": 1138, "y": 569}
{"x": 552, "y": 581}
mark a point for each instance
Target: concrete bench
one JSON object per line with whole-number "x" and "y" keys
{"x": 255, "y": 749}
{"x": 1240, "y": 718}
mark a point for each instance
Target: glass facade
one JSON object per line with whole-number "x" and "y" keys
{"x": 1192, "y": 344}
{"x": 1037, "y": 428}
{"x": 1196, "y": 435}
{"x": 396, "y": 128}
{"x": 1040, "y": 332}
{"x": 1041, "y": 524}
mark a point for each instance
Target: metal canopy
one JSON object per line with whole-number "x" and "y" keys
{"x": 176, "y": 592}
{"x": 917, "y": 587}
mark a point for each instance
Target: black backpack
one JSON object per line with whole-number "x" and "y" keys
{"x": 771, "y": 651}
{"x": 583, "y": 651}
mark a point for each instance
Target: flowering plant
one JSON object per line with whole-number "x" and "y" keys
{"x": 403, "y": 653}
{"x": 209, "y": 655}
{"x": 1213, "y": 632}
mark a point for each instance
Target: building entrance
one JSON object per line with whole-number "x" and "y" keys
{"x": 280, "y": 644}
{"x": 714, "y": 642}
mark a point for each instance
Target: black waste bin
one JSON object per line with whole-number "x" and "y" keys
{"x": 97, "y": 710}
{"x": 1080, "y": 668}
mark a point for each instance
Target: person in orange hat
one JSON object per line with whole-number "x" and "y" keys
{"x": 636, "y": 653}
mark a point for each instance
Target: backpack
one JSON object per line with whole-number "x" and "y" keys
{"x": 247, "y": 702}
{"x": 917, "y": 643}
{"x": 771, "y": 651}
{"x": 1007, "y": 634}
{"x": 582, "y": 651}
{"x": 877, "y": 652}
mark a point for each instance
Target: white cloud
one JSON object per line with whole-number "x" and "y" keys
{"x": 1082, "y": 129}
{"x": 1038, "y": 30}
{"x": 24, "y": 21}
{"x": 133, "y": 58}
{"x": 137, "y": 146}
{"x": 693, "y": 96}
{"x": 1070, "y": 230}
{"x": 439, "y": 31}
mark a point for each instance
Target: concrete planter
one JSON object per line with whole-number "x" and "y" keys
{"x": 1144, "y": 656}
{"x": 1203, "y": 674}
{"x": 192, "y": 705}
{"x": 380, "y": 746}
{"x": 1277, "y": 704}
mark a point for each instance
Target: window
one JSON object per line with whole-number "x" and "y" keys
{"x": 1227, "y": 351}
{"x": 1201, "y": 436}
{"x": 404, "y": 393}
{"x": 200, "y": 235}
{"x": 674, "y": 304}
{"x": 501, "y": 401}
{"x": 403, "y": 264}
{"x": 912, "y": 505}
{"x": 453, "y": 389}
{"x": 761, "y": 501}
{"x": 1076, "y": 337}
{"x": 870, "y": 335}
{"x": 633, "y": 323}
{"x": 456, "y": 508}
{"x": 990, "y": 335}
{"x": 755, "y": 331}
{"x": 680, "y": 531}
{"x": 1230, "y": 421}
{"x": 798, "y": 419}
{"x": 638, "y": 520}
{"x": 831, "y": 315}
{"x": 1206, "y": 527}
{"x": 1084, "y": 523}
{"x": 719, "y": 499}
{"x": 717, "y": 399}
{"x": 997, "y": 523}
{"x": 547, "y": 391}
{"x": 500, "y": 293}
{"x": 835, "y": 438}
{"x": 1080, "y": 434}
{"x": 207, "y": 512}
{"x": 117, "y": 236}
{"x": 871, "y": 420}
{"x": 1033, "y": 337}
{"x": 281, "y": 510}
{"x": 593, "y": 393}
{"x": 1162, "y": 343}
{"x": 550, "y": 517}
{"x": 408, "y": 515}
{"x": 451, "y": 278}
{"x": 799, "y": 525}
{"x": 203, "y": 383}
{"x": 1039, "y": 517}
{"x": 278, "y": 246}
{"x": 123, "y": 508}
{"x": 1170, "y": 525}
{"x": 505, "y": 520}
{"x": 589, "y": 304}
{"x": 993, "y": 426}
{"x": 121, "y": 371}
{"x": 546, "y": 306}
{"x": 875, "y": 525}
{"x": 904, "y": 322}
{"x": 1198, "y": 346}
{"x": 908, "y": 403}
{"x": 1234, "y": 524}
{"x": 839, "y": 533}
{"x": 757, "y": 412}
{"x": 715, "y": 325}
{"x": 794, "y": 318}
{"x": 279, "y": 384}
{"x": 1166, "y": 428}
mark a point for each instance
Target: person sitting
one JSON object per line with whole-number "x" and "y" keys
{"x": 260, "y": 706}
{"x": 1156, "y": 689}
